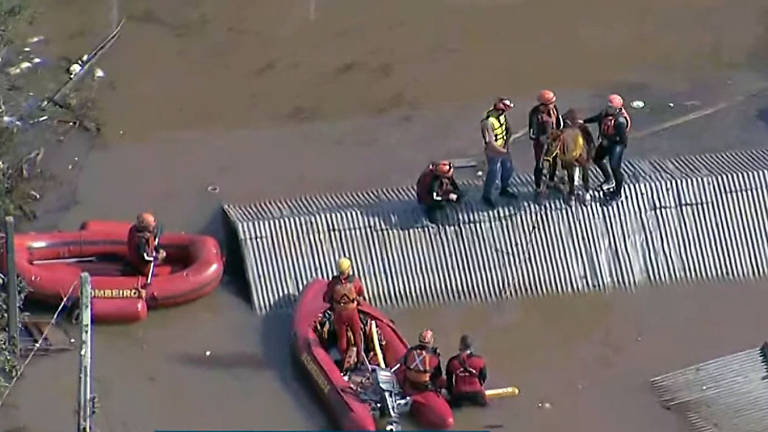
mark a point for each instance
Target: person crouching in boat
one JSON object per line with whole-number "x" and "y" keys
{"x": 465, "y": 375}
{"x": 142, "y": 244}
{"x": 422, "y": 365}
{"x": 343, "y": 293}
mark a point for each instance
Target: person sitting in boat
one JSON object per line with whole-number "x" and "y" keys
{"x": 422, "y": 365}
{"x": 142, "y": 244}
{"x": 344, "y": 275}
{"x": 465, "y": 375}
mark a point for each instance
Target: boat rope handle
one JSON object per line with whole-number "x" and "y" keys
{"x": 37, "y": 344}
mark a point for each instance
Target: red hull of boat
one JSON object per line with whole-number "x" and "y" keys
{"x": 197, "y": 269}
{"x": 428, "y": 408}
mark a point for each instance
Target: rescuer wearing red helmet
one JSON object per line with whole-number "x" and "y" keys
{"x": 496, "y": 137}
{"x": 422, "y": 365}
{"x": 465, "y": 375}
{"x": 142, "y": 243}
{"x": 437, "y": 191}
{"x": 542, "y": 120}
{"x": 614, "y": 123}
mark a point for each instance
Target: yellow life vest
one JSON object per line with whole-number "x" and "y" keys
{"x": 499, "y": 127}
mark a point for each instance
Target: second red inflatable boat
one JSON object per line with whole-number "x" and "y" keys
{"x": 51, "y": 263}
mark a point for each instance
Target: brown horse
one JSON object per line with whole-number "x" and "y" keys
{"x": 573, "y": 147}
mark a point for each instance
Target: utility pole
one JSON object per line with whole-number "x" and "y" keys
{"x": 13, "y": 289}
{"x": 85, "y": 402}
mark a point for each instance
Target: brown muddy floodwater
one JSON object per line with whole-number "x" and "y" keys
{"x": 276, "y": 98}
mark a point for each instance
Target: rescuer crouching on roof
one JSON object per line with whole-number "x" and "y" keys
{"x": 437, "y": 191}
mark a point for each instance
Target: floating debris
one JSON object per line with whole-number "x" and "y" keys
{"x": 122, "y": 132}
{"x": 207, "y": 353}
{"x": 39, "y": 120}
{"x": 213, "y": 189}
{"x": 637, "y": 104}
{"x": 671, "y": 105}
{"x": 34, "y": 195}
{"x": 23, "y": 66}
{"x": 545, "y": 405}
{"x": 98, "y": 73}
{"x": 479, "y": 173}
{"x": 35, "y": 39}
{"x": 71, "y": 340}
{"x": 27, "y": 49}
{"x": 10, "y": 121}
{"x": 31, "y": 161}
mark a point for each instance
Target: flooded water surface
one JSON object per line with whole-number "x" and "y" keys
{"x": 268, "y": 98}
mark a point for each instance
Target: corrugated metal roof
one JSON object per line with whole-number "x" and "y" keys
{"x": 696, "y": 217}
{"x": 727, "y": 394}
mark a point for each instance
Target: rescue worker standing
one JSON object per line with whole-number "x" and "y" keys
{"x": 496, "y": 137}
{"x": 422, "y": 365}
{"x": 465, "y": 375}
{"x": 142, "y": 244}
{"x": 438, "y": 191}
{"x": 614, "y": 123}
{"x": 543, "y": 119}
{"x": 343, "y": 292}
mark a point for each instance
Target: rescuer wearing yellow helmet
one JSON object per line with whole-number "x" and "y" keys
{"x": 344, "y": 292}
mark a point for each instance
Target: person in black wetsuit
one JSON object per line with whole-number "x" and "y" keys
{"x": 614, "y": 123}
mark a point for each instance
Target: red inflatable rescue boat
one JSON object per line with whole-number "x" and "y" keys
{"x": 340, "y": 395}
{"x": 51, "y": 263}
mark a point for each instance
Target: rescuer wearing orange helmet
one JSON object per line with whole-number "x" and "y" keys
{"x": 542, "y": 120}
{"x": 614, "y": 123}
{"x": 142, "y": 243}
{"x": 344, "y": 292}
{"x": 496, "y": 137}
{"x": 422, "y": 365}
{"x": 437, "y": 191}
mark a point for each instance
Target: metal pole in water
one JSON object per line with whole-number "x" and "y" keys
{"x": 84, "y": 402}
{"x": 13, "y": 289}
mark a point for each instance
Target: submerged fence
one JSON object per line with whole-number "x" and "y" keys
{"x": 697, "y": 217}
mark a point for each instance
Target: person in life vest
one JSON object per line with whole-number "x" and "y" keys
{"x": 142, "y": 244}
{"x": 496, "y": 137}
{"x": 344, "y": 292}
{"x": 422, "y": 365}
{"x": 465, "y": 375}
{"x": 542, "y": 120}
{"x": 437, "y": 191}
{"x": 614, "y": 125}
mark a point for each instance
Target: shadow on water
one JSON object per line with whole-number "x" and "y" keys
{"x": 277, "y": 349}
{"x": 762, "y": 115}
{"x": 228, "y": 361}
{"x": 235, "y": 281}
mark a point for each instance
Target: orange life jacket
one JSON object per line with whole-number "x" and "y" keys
{"x": 137, "y": 236}
{"x": 607, "y": 128}
{"x": 419, "y": 365}
{"x": 344, "y": 296}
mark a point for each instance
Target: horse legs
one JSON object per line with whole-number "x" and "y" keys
{"x": 585, "y": 177}
{"x": 570, "y": 169}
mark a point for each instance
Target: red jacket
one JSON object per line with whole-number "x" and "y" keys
{"x": 465, "y": 373}
{"x": 141, "y": 244}
{"x": 355, "y": 281}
